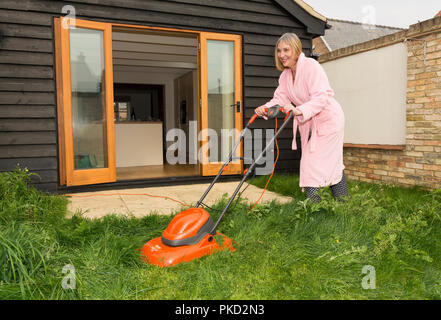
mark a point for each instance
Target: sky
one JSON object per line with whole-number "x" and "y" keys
{"x": 394, "y": 13}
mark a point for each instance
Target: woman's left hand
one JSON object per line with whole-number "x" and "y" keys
{"x": 289, "y": 108}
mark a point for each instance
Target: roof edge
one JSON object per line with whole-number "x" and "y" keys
{"x": 310, "y": 10}
{"x": 367, "y": 24}
{"x": 326, "y": 43}
{"x": 314, "y": 22}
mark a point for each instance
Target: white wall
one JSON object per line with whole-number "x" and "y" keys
{"x": 153, "y": 78}
{"x": 371, "y": 88}
{"x": 138, "y": 144}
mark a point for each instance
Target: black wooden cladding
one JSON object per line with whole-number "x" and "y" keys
{"x": 19, "y": 30}
{"x": 44, "y": 163}
{"x": 27, "y": 98}
{"x": 28, "y": 120}
{"x": 26, "y": 44}
{"x": 22, "y": 84}
{"x": 26, "y": 58}
{"x": 22, "y": 16}
{"x": 28, "y": 151}
{"x": 27, "y": 125}
{"x": 27, "y": 111}
{"x": 23, "y": 138}
{"x": 26, "y": 71}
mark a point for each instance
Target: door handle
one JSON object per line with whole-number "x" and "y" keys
{"x": 237, "y": 105}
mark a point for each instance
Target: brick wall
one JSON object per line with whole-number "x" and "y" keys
{"x": 419, "y": 163}
{"x": 319, "y": 46}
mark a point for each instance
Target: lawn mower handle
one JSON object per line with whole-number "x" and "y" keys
{"x": 276, "y": 110}
{"x": 271, "y": 112}
{"x": 250, "y": 169}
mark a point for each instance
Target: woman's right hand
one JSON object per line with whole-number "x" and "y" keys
{"x": 260, "y": 111}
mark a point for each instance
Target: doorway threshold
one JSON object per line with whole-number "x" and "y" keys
{"x": 156, "y": 182}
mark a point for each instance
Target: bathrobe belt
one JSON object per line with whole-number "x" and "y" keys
{"x": 313, "y": 131}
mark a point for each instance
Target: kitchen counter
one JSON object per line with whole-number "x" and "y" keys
{"x": 138, "y": 143}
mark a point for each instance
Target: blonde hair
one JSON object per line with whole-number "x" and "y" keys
{"x": 293, "y": 41}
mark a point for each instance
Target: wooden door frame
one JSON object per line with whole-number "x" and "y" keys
{"x": 209, "y": 169}
{"x": 70, "y": 176}
{"x": 62, "y": 66}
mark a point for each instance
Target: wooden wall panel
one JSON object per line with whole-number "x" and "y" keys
{"x": 37, "y": 163}
{"x": 36, "y": 59}
{"x": 20, "y": 138}
{"x": 27, "y": 111}
{"x": 27, "y": 64}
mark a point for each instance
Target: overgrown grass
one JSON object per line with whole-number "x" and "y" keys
{"x": 297, "y": 250}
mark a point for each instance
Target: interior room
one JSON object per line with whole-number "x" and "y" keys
{"x": 155, "y": 89}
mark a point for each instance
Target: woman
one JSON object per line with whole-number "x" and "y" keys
{"x": 318, "y": 116}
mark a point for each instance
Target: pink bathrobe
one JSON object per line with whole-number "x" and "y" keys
{"x": 322, "y": 156}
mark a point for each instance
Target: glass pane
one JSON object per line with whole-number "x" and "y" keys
{"x": 220, "y": 73}
{"x": 88, "y": 98}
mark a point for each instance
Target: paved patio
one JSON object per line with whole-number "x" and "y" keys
{"x": 135, "y": 201}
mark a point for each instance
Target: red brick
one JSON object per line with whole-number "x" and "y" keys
{"x": 374, "y": 156}
{"x": 415, "y": 142}
{"x": 406, "y": 170}
{"x": 425, "y": 124}
{"x": 421, "y": 173}
{"x": 407, "y": 181}
{"x": 389, "y": 179}
{"x": 424, "y": 148}
{"x": 434, "y": 55}
{"x": 433, "y": 117}
{"x": 373, "y": 176}
{"x": 432, "y": 143}
{"x": 393, "y": 163}
{"x": 396, "y": 174}
{"x": 365, "y": 170}
{"x": 414, "y": 165}
{"x": 414, "y": 83}
{"x": 380, "y": 172}
{"x": 426, "y": 75}
{"x": 423, "y": 99}
{"x": 432, "y": 167}
{"x": 389, "y": 157}
{"x": 416, "y": 94}
{"x": 359, "y": 174}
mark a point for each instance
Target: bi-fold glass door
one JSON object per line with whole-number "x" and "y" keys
{"x": 89, "y": 142}
{"x": 221, "y": 101}
{"x": 85, "y": 99}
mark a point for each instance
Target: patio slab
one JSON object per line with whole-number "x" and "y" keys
{"x": 139, "y": 202}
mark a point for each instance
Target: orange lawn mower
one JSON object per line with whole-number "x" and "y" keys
{"x": 190, "y": 234}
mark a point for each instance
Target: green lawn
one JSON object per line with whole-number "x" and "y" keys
{"x": 297, "y": 250}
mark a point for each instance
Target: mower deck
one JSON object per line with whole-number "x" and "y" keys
{"x": 157, "y": 253}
